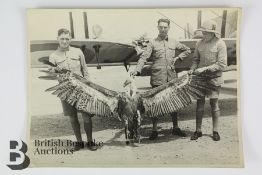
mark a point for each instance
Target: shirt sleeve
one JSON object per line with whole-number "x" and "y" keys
{"x": 144, "y": 56}
{"x": 196, "y": 57}
{"x": 83, "y": 64}
{"x": 221, "y": 62}
{"x": 185, "y": 50}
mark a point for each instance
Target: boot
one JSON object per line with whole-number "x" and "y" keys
{"x": 198, "y": 132}
{"x": 215, "y": 117}
{"x": 153, "y": 135}
{"x": 78, "y": 146}
{"x": 216, "y": 136}
{"x": 178, "y": 132}
{"x": 92, "y": 146}
{"x": 196, "y": 135}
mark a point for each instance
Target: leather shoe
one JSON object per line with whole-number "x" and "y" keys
{"x": 216, "y": 136}
{"x": 78, "y": 146}
{"x": 196, "y": 135}
{"x": 178, "y": 132}
{"x": 153, "y": 135}
{"x": 91, "y": 146}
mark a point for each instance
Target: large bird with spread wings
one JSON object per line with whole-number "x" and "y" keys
{"x": 128, "y": 106}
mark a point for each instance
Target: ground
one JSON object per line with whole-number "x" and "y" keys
{"x": 47, "y": 122}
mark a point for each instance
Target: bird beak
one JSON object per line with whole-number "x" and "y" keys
{"x": 127, "y": 82}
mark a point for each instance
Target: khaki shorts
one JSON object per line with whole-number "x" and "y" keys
{"x": 71, "y": 111}
{"x": 214, "y": 93}
{"x": 68, "y": 109}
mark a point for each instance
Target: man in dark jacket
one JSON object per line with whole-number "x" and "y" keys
{"x": 162, "y": 50}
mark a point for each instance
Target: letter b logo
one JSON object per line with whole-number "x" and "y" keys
{"x": 18, "y": 159}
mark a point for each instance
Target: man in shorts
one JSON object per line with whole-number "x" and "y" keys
{"x": 209, "y": 61}
{"x": 70, "y": 58}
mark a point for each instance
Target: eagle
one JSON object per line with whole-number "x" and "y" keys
{"x": 129, "y": 106}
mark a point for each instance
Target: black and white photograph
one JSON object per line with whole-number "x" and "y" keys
{"x": 134, "y": 87}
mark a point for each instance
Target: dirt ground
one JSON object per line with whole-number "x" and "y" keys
{"x": 167, "y": 150}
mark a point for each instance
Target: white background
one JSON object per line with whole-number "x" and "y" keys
{"x": 13, "y": 73}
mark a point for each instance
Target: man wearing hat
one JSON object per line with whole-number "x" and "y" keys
{"x": 162, "y": 50}
{"x": 209, "y": 60}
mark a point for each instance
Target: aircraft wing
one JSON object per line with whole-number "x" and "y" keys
{"x": 114, "y": 53}
{"x": 109, "y": 52}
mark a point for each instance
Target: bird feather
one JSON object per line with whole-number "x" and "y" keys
{"x": 174, "y": 95}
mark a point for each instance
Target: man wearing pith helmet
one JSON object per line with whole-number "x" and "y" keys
{"x": 209, "y": 61}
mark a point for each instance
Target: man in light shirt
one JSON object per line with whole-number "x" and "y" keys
{"x": 209, "y": 61}
{"x": 70, "y": 58}
{"x": 162, "y": 49}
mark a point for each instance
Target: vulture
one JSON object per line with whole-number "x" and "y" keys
{"x": 131, "y": 105}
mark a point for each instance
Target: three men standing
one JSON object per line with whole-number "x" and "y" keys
{"x": 209, "y": 61}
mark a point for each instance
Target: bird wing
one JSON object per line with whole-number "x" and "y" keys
{"x": 174, "y": 95}
{"x": 85, "y": 95}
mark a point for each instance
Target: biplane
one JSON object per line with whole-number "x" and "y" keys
{"x": 101, "y": 52}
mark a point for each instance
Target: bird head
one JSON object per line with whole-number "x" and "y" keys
{"x": 130, "y": 110}
{"x": 130, "y": 87}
